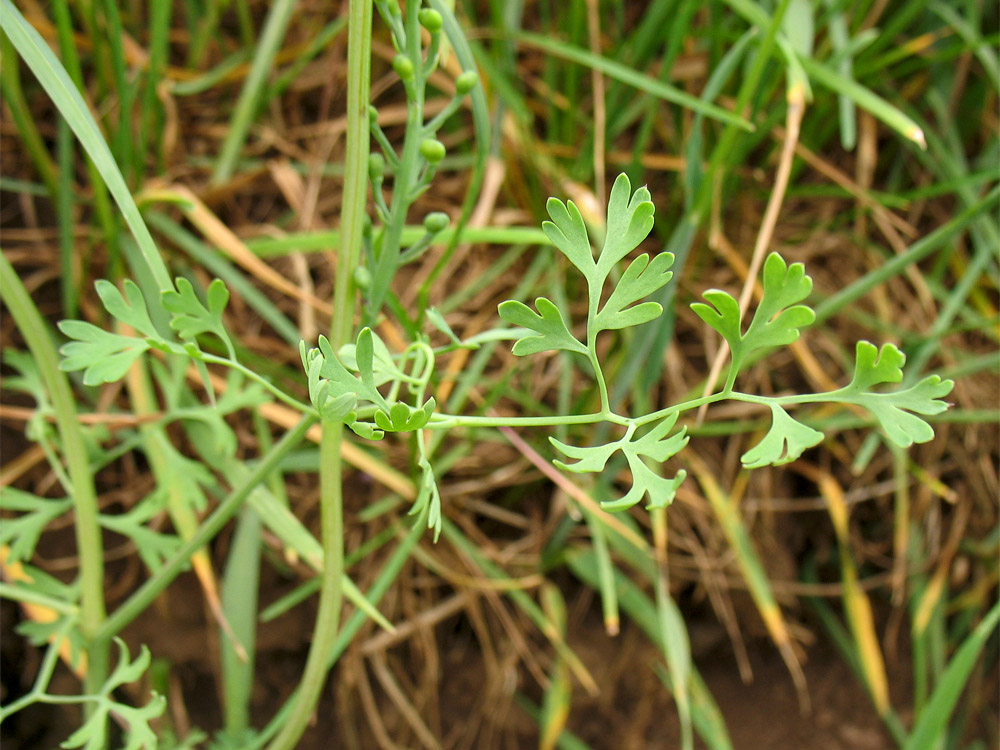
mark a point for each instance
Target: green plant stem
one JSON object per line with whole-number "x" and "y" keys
{"x": 387, "y": 258}
{"x": 602, "y": 385}
{"x": 90, "y": 548}
{"x": 268, "y": 386}
{"x": 42, "y": 680}
{"x": 448, "y": 421}
{"x": 141, "y": 599}
{"x": 318, "y": 664}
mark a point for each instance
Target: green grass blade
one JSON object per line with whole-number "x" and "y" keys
{"x": 273, "y": 34}
{"x": 239, "y": 604}
{"x": 152, "y": 107}
{"x": 984, "y": 52}
{"x": 65, "y": 202}
{"x": 106, "y": 219}
{"x": 629, "y": 76}
{"x": 705, "y": 713}
{"x": 605, "y": 568}
{"x": 916, "y": 252}
{"x": 74, "y": 445}
{"x": 932, "y": 723}
{"x": 566, "y": 739}
{"x": 864, "y": 98}
{"x": 13, "y": 96}
{"x": 66, "y": 97}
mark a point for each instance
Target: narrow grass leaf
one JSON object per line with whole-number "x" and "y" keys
{"x": 630, "y": 77}
{"x": 856, "y": 603}
{"x": 66, "y": 97}
{"x": 705, "y": 714}
{"x": 275, "y": 25}
{"x": 932, "y": 724}
{"x": 752, "y": 570}
{"x": 559, "y": 694}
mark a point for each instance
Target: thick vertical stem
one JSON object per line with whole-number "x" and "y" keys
{"x": 331, "y": 500}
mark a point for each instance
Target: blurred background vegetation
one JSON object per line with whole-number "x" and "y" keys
{"x": 844, "y": 584}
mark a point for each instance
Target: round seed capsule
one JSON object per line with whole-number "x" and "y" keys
{"x": 466, "y": 82}
{"x": 431, "y": 20}
{"x": 403, "y": 67}
{"x": 436, "y": 222}
{"x": 376, "y": 166}
{"x": 362, "y": 278}
{"x": 432, "y": 150}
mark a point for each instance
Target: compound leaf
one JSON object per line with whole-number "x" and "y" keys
{"x": 154, "y": 548}
{"x": 550, "y": 329}
{"x": 659, "y": 445}
{"x": 640, "y": 279}
{"x": 21, "y": 533}
{"x": 896, "y": 411}
{"x": 630, "y": 220}
{"x": 783, "y": 443}
{"x": 92, "y": 735}
{"x": 656, "y": 444}
{"x": 104, "y": 357}
{"x": 336, "y": 392}
{"x": 777, "y": 319}
{"x": 401, "y": 417}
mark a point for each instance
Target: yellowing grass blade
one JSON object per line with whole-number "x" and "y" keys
{"x": 856, "y": 603}
{"x": 752, "y": 570}
{"x": 558, "y": 696}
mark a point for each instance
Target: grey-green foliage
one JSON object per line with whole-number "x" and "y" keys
{"x": 651, "y": 439}
{"x": 374, "y": 391}
{"x": 93, "y": 734}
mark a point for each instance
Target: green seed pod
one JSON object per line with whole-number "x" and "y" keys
{"x": 376, "y": 166}
{"x": 436, "y": 222}
{"x": 403, "y": 67}
{"x": 466, "y": 82}
{"x": 372, "y": 114}
{"x": 362, "y": 278}
{"x": 431, "y": 20}
{"x": 432, "y": 150}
